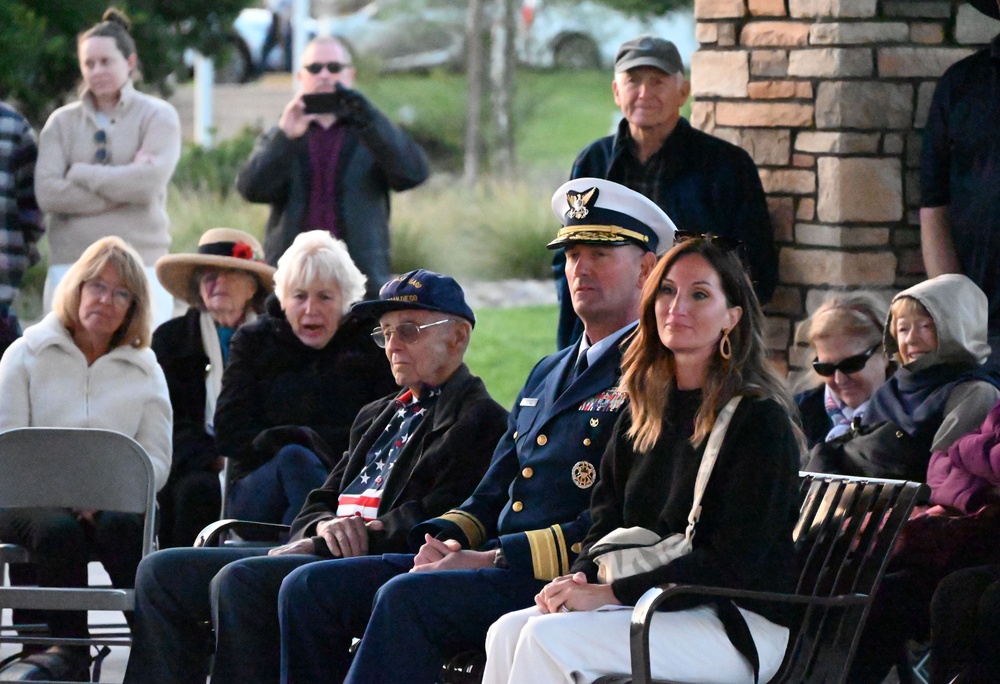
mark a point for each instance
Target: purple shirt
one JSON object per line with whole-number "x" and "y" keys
{"x": 324, "y": 157}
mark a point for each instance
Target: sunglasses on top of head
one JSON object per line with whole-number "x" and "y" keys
{"x": 852, "y": 364}
{"x": 726, "y": 244}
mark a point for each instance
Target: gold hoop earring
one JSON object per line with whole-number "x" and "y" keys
{"x": 725, "y": 346}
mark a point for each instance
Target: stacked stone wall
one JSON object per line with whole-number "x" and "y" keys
{"x": 829, "y": 98}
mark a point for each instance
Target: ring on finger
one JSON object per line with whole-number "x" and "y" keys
{"x": 565, "y": 609}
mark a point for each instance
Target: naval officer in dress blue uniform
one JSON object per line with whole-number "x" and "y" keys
{"x": 523, "y": 524}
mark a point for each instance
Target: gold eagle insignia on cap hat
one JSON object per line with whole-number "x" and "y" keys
{"x": 580, "y": 201}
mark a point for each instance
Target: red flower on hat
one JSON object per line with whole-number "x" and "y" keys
{"x": 242, "y": 250}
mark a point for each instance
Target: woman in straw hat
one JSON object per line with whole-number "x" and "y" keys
{"x": 297, "y": 378}
{"x": 225, "y": 283}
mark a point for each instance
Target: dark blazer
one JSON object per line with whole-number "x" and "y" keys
{"x": 535, "y": 498}
{"x": 816, "y": 423}
{"x": 437, "y": 469}
{"x": 373, "y": 160}
{"x": 179, "y": 350}
{"x": 277, "y": 391}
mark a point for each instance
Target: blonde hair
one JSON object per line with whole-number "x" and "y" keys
{"x": 136, "y": 329}
{"x": 851, "y": 314}
{"x": 649, "y": 368}
{"x": 315, "y": 256}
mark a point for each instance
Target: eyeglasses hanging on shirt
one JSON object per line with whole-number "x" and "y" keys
{"x": 102, "y": 155}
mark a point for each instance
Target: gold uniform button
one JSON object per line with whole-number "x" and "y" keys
{"x": 515, "y": 435}
{"x": 586, "y": 441}
{"x": 576, "y": 547}
{"x": 517, "y": 506}
{"x": 542, "y": 440}
{"x": 527, "y": 473}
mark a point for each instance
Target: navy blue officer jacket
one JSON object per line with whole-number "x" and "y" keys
{"x": 535, "y": 498}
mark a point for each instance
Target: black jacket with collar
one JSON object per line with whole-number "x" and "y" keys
{"x": 278, "y": 391}
{"x": 373, "y": 160}
{"x": 437, "y": 469}
{"x": 180, "y": 352}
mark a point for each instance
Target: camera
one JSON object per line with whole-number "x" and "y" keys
{"x": 322, "y": 103}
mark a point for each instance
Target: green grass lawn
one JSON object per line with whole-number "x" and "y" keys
{"x": 556, "y": 113}
{"x": 506, "y": 345}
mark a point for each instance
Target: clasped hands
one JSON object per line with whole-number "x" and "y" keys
{"x": 345, "y": 537}
{"x": 573, "y": 592}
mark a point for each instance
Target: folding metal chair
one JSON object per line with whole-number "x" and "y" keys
{"x": 77, "y": 468}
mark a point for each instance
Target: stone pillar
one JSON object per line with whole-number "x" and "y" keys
{"x": 829, "y": 97}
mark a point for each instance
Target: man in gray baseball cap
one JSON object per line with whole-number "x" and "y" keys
{"x": 706, "y": 185}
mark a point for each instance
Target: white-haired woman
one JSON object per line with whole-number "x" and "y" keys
{"x": 87, "y": 364}
{"x": 297, "y": 377}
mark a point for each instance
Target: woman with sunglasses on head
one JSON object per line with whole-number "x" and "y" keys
{"x": 846, "y": 334}
{"x": 104, "y": 161}
{"x": 698, "y": 346}
{"x": 296, "y": 379}
{"x": 85, "y": 365}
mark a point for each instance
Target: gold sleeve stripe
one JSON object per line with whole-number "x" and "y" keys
{"x": 548, "y": 552}
{"x": 470, "y": 526}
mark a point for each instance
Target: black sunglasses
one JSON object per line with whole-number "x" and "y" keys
{"x": 852, "y": 364}
{"x": 724, "y": 243}
{"x": 332, "y": 67}
{"x": 101, "y": 156}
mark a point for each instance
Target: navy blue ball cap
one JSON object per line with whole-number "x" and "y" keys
{"x": 418, "y": 289}
{"x": 595, "y": 211}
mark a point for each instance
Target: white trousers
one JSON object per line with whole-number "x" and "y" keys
{"x": 577, "y": 648}
{"x": 163, "y": 301}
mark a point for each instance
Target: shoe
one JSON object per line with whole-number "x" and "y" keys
{"x": 57, "y": 663}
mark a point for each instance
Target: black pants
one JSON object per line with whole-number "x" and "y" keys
{"x": 188, "y": 503}
{"x": 61, "y": 546}
{"x": 965, "y": 626}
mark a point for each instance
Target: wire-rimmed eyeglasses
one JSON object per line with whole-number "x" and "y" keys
{"x": 407, "y": 333}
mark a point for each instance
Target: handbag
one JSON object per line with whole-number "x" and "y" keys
{"x": 629, "y": 551}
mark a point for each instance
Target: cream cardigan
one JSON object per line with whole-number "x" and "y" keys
{"x": 45, "y": 382}
{"x": 85, "y": 201}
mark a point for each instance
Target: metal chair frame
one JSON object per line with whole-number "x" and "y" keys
{"x": 79, "y": 468}
{"x": 846, "y": 531}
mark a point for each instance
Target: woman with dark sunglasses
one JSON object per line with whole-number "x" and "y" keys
{"x": 846, "y": 334}
{"x": 104, "y": 161}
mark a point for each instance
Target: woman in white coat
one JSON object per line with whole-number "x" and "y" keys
{"x": 87, "y": 364}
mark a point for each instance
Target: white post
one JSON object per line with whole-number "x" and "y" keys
{"x": 204, "y": 81}
{"x": 300, "y": 15}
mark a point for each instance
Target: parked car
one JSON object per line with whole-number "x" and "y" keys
{"x": 587, "y": 34}
{"x": 408, "y": 35}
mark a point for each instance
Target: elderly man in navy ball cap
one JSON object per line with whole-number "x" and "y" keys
{"x": 412, "y": 455}
{"x": 706, "y": 185}
{"x": 523, "y": 524}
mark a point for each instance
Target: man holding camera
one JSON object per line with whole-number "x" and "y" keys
{"x": 330, "y": 163}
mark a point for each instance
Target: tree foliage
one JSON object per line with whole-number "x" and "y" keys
{"x": 38, "y": 62}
